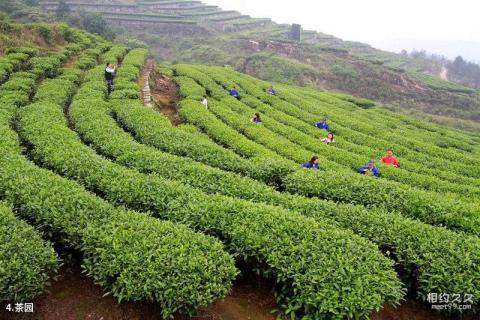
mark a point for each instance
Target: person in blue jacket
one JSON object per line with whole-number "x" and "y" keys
{"x": 312, "y": 164}
{"x": 322, "y": 124}
{"x": 370, "y": 169}
{"x": 234, "y": 93}
{"x": 272, "y": 91}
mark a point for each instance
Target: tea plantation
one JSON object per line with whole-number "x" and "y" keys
{"x": 172, "y": 214}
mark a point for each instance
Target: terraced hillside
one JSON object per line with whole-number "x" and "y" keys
{"x": 158, "y": 15}
{"x": 73, "y": 218}
{"x": 172, "y": 214}
{"x": 194, "y": 32}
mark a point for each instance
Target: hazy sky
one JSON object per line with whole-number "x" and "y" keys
{"x": 371, "y": 21}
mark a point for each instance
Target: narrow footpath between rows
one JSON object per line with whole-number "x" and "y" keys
{"x": 159, "y": 91}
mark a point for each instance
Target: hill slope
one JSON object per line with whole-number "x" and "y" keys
{"x": 172, "y": 213}
{"x": 192, "y": 32}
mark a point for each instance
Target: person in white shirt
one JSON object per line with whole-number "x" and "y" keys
{"x": 109, "y": 75}
{"x": 329, "y": 139}
{"x": 205, "y": 102}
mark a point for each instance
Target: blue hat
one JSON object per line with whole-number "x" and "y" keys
{"x": 371, "y": 161}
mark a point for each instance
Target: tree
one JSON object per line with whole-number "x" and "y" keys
{"x": 94, "y": 23}
{"x": 91, "y": 22}
{"x": 33, "y": 3}
{"x": 10, "y": 6}
{"x": 458, "y": 62}
{"x": 63, "y": 10}
{"x": 422, "y": 54}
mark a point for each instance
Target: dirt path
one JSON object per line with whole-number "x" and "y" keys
{"x": 144, "y": 82}
{"x": 162, "y": 90}
{"x": 251, "y": 299}
{"x": 71, "y": 62}
{"x": 74, "y": 296}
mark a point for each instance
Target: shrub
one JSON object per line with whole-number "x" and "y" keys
{"x": 135, "y": 44}
{"x": 11, "y": 63}
{"x": 26, "y": 50}
{"x": 429, "y": 255}
{"x": 125, "y": 93}
{"x": 288, "y": 125}
{"x": 26, "y": 261}
{"x": 188, "y": 88}
{"x": 114, "y": 55}
{"x": 45, "y": 32}
{"x": 132, "y": 255}
{"x": 407, "y": 239}
{"x": 165, "y": 69}
{"x": 305, "y": 136}
{"x": 135, "y": 256}
{"x": 256, "y": 232}
{"x": 426, "y": 206}
{"x": 360, "y": 102}
{"x": 300, "y": 252}
{"x": 47, "y": 66}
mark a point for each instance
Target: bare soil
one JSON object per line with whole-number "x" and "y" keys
{"x": 164, "y": 92}
{"x": 71, "y": 62}
{"x": 74, "y": 296}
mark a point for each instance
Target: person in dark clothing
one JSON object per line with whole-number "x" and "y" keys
{"x": 312, "y": 164}
{"x": 109, "y": 75}
{"x": 257, "y": 119}
{"x": 322, "y": 124}
{"x": 234, "y": 93}
{"x": 272, "y": 91}
{"x": 370, "y": 169}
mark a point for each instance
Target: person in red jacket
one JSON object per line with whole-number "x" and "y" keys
{"x": 390, "y": 159}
